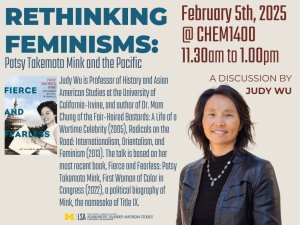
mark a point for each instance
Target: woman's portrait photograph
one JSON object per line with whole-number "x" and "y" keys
{"x": 229, "y": 185}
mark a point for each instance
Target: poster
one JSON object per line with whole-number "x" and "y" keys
{"x": 128, "y": 76}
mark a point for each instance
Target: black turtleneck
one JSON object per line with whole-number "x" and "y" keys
{"x": 204, "y": 210}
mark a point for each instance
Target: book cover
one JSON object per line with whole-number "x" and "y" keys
{"x": 23, "y": 123}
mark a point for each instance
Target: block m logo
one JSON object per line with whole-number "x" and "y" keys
{"x": 69, "y": 216}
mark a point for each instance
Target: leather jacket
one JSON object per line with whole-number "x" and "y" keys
{"x": 250, "y": 195}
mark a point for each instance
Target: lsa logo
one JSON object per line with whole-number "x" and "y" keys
{"x": 81, "y": 216}
{"x": 71, "y": 216}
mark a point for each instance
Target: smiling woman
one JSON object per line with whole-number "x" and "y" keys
{"x": 48, "y": 112}
{"x": 228, "y": 185}
{"x": 221, "y": 124}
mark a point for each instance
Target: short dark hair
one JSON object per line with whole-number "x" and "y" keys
{"x": 196, "y": 128}
{"x": 50, "y": 104}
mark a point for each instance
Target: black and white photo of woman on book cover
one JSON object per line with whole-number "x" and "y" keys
{"x": 48, "y": 143}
